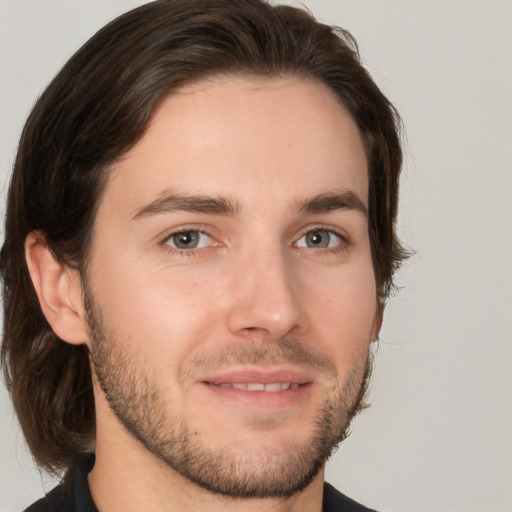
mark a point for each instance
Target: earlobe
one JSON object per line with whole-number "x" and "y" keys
{"x": 58, "y": 289}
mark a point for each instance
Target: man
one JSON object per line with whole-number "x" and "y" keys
{"x": 199, "y": 243}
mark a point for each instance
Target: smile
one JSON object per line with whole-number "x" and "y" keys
{"x": 259, "y": 389}
{"x": 258, "y": 386}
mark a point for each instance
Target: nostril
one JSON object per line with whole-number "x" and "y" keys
{"x": 256, "y": 331}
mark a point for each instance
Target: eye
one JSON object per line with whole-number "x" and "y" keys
{"x": 192, "y": 239}
{"x": 319, "y": 239}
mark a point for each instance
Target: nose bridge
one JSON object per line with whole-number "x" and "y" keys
{"x": 265, "y": 293}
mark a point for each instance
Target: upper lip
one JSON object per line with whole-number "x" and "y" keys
{"x": 260, "y": 376}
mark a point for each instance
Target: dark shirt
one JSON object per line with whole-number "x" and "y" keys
{"x": 73, "y": 494}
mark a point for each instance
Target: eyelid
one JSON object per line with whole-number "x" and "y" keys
{"x": 201, "y": 228}
{"x": 341, "y": 244}
{"x": 201, "y": 235}
{"x": 323, "y": 227}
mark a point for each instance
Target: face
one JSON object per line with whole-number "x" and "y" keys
{"x": 231, "y": 285}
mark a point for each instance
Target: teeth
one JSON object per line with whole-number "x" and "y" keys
{"x": 274, "y": 387}
{"x": 255, "y": 387}
{"x": 258, "y": 386}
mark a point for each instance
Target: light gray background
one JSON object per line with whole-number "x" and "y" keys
{"x": 438, "y": 436}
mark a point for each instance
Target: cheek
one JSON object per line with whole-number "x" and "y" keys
{"x": 342, "y": 307}
{"x": 157, "y": 313}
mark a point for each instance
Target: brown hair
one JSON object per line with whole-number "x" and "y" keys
{"x": 96, "y": 108}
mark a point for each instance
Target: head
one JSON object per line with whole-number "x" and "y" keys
{"x": 93, "y": 118}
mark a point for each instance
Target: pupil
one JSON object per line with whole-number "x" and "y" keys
{"x": 318, "y": 239}
{"x": 186, "y": 239}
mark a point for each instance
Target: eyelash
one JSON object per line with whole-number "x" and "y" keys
{"x": 184, "y": 252}
{"x": 339, "y": 247}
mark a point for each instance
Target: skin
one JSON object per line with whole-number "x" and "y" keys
{"x": 279, "y": 288}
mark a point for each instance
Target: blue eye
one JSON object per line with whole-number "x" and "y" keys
{"x": 319, "y": 239}
{"x": 189, "y": 240}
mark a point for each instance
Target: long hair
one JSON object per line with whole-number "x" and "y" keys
{"x": 95, "y": 110}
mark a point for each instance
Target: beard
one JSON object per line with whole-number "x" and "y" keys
{"x": 138, "y": 403}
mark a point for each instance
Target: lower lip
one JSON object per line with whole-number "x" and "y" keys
{"x": 261, "y": 399}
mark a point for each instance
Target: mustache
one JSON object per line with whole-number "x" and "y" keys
{"x": 263, "y": 353}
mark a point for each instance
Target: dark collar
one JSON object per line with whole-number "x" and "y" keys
{"x": 77, "y": 486}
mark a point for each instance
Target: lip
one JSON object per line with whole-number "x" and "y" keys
{"x": 259, "y": 376}
{"x": 218, "y": 386}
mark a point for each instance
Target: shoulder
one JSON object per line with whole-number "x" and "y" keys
{"x": 335, "y": 501}
{"x": 55, "y": 501}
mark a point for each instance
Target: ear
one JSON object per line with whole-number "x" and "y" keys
{"x": 379, "y": 317}
{"x": 58, "y": 289}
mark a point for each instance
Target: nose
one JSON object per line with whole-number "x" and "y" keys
{"x": 266, "y": 299}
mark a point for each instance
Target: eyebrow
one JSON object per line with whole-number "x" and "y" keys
{"x": 212, "y": 205}
{"x": 330, "y": 201}
{"x": 187, "y": 203}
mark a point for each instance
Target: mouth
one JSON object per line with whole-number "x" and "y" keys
{"x": 272, "y": 387}
{"x": 260, "y": 388}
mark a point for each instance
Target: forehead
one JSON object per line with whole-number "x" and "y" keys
{"x": 280, "y": 138}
